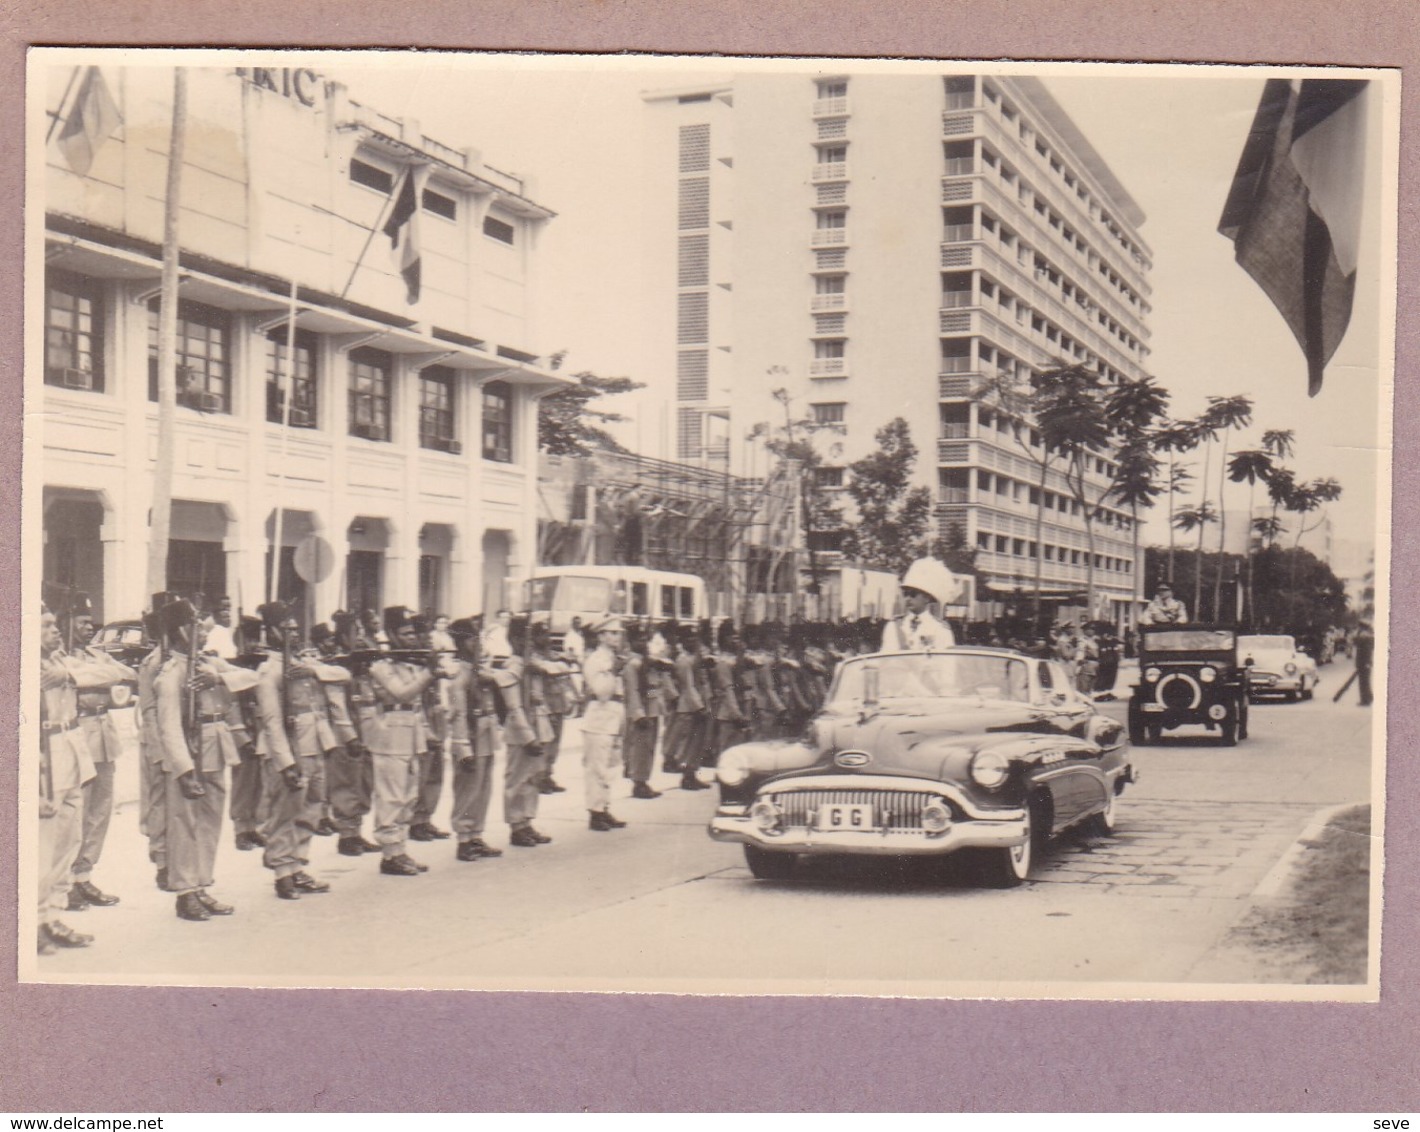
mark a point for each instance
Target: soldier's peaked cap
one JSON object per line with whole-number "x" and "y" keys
{"x": 274, "y": 612}
{"x": 396, "y": 618}
{"x": 176, "y": 614}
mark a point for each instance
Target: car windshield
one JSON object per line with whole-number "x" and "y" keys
{"x": 571, "y": 592}
{"x": 1188, "y": 640}
{"x": 1286, "y": 644}
{"x": 936, "y": 675}
{"x": 121, "y": 634}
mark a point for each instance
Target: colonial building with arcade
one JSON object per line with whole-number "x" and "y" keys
{"x": 391, "y": 457}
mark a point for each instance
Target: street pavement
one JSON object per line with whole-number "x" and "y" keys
{"x": 659, "y": 906}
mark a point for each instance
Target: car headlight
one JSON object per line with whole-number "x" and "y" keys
{"x": 989, "y": 769}
{"x": 733, "y": 767}
{"x": 1208, "y": 675}
{"x": 936, "y": 818}
{"x": 1151, "y": 674}
{"x": 765, "y": 815}
{"x": 1290, "y": 669}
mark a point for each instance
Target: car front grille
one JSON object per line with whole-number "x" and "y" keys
{"x": 893, "y": 810}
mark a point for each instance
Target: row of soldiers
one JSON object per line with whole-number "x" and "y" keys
{"x": 301, "y": 735}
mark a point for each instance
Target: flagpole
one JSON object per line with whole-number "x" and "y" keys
{"x": 288, "y": 394}
{"x": 379, "y": 223}
{"x": 160, "y": 521}
{"x": 59, "y": 113}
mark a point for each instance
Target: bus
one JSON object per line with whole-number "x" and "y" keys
{"x": 557, "y": 594}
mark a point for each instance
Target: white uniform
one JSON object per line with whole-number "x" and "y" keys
{"x": 917, "y": 631}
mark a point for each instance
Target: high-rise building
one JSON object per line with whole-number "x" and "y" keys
{"x": 385, "y": 443}
{"x": 888, "y": 244}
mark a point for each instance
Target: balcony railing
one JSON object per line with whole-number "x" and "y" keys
{"x": 829, "y": 237}
{"x": 955, "y": 430}
{"x": 955, "y": 365}
{"x": 953, "y": 300}
{"x": 837, "y": 301}
{"x": 826, "y": 106}
{"x": 830, "y": 171}
{"x": 828, "y": 367}
{"x": 963, "y": 101}
{"x": 953, "y": 495}
{"x": 958, "y": 233}
{"x": 959, "y": 166}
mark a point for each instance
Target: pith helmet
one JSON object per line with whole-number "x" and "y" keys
{"x": 934, "y": 579}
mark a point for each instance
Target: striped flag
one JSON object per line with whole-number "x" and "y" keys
{"x": 1294, "y": 210}
{"x": 402, "y": 227}
{"x": 93, "y": 117}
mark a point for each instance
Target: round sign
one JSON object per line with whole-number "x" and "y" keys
{"x": 314, "y": 559}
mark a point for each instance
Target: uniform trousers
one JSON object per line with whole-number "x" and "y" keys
{"x": 552, "y": 747}
{"x": 724, "y": 734}
{"x": 246, "y": 793}
{"x": 431, "y": 782}
{"x": 396, "y": 793}
{"x": 291, "y": 815}
{"x": 601, "y": 763}
{"x": 98, "y": 809}
{"x": 640, "y": 747}
{"x": 521, "y": 776}
{"x": 59, "y": 838}
{"x": 194, "y": 827}
{"x": 153, "y": 809}
{"x": 473, "y": 791}
{"x": 685, "y": 740}
{"x": 350, "y": 782}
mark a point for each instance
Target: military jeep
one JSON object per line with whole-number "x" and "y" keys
{"x": 1189, "y": 675}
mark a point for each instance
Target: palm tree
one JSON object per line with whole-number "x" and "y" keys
{"x": 1249, "y": 466}
{"x": 1136, "y": 484}
{"x": 1226, "y": 413}
{"x": 1197, "y": 518}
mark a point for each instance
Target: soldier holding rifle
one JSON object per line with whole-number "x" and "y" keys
{"x": 474, "y": 720}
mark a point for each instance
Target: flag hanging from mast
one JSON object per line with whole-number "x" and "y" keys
{"x": 93, "y": 117}
{"x": 402, "y": 227}
{"x": 1294, "y": 209}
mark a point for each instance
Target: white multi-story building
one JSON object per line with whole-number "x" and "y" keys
{"x": 411, "y": 446}
{"x": 882, "y": 245}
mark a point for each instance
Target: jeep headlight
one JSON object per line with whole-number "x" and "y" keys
{"x": 1207, "y": 674}
{"x": 989, "y": 769}
{"x": 1152, "y": 674}
{"x": 733, "y": 767}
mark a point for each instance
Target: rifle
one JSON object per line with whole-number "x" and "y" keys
{"x": 192, "y": 728}
{"x": 46, "y": 760}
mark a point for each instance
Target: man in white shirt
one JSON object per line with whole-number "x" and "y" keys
{"x": 925, "y": 582}
{"x": 1165, "y": 609}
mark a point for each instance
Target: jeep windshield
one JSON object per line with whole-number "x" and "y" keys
{"x": 1188, "y": 640}
{"x": 932, "y": 676}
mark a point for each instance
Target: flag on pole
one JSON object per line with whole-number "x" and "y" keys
{"x": 93, "y": 117}
{"x": 1294, "y": 209}
{"x": 402, "y": 227}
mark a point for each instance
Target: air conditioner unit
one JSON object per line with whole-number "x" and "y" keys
{"x": 73, "y": 378}
{"x": 302, "y": 418}
{"x": 453, "y": 447}
{"x": 202, "y": 402}
{"x": 367, "y": 431}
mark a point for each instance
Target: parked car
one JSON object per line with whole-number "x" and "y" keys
{"x": 1189, "y": 675}
{"x": 125, "y": 641}
{"x": 1279, "y": 667}
{"x": 970, "y": 750}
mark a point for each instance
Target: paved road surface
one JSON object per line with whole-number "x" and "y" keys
{"x": 660, "y": 906}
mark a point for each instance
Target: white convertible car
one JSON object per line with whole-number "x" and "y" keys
{"x": 1277, "y": 667}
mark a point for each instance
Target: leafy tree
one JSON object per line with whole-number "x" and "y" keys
{"x": 1250, "y": 466}
{"x": 1226, "y": 414}
{"x": 892, "y": 517}
{"x": 568, "y": 424}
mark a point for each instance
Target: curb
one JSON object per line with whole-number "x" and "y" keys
{"x": 1279, "y": 876}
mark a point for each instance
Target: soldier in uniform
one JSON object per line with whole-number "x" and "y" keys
{"x": 431, "y": 768}
{"x": 193, "y": 696}
{"x": 103, "y": 683}
{"x": 552, "y": 699}
{"x": 522, "y": 772}
{"x": 685, "y": 742}
{"x": 925, "y": 582}
{"x": 397, "y": 736}
{"x": 1165, "y": 609}
{"x": 65, "y": 766}
{"x": 296, "y": 733}
{"x": 349, "y": 779}
{"x": 645, "y": 708}
{"x": 474, "y": 719}
{"x": 730, "y": 724}
{"x": 152, "y": 782}
{"x": 245, "y": 801}
{"x": 602, "y": 723}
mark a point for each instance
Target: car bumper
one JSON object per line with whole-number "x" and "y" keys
{"x": 1263, "y": 684}
{"x": 995, "y": 833}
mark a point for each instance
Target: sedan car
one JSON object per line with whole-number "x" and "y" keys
{"x": 1277, "y": 667}
{"x": 969, "y": 750}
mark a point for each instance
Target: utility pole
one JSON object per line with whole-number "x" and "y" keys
{"x": 160, "y": 521}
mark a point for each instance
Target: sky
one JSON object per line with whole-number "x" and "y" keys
{"x": 1171, "y": 135}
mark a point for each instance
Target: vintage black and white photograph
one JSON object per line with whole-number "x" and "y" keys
{"x": 706, "y": 525}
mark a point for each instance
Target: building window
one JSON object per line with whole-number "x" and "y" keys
{"x": 203, "y": 362}
{"x": 371, "y": 378}
{"x": 829, "y": 412}
{"x": 302, "y": 376}
{"x": 498, "y": 422}
{"x": 371, "y": 176}
{"x": 441, "y": 205}
{"x": 73, "y": 332}
{"x": 499, "y": 230}
{"x": 833, "y": 88}
{"x": 828, "y": 477}
{"x": 830, "y": 348}
{"x": 436, "y": 410}
{"x": 828, "y": 154}
{"x": 834, "y": 219}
